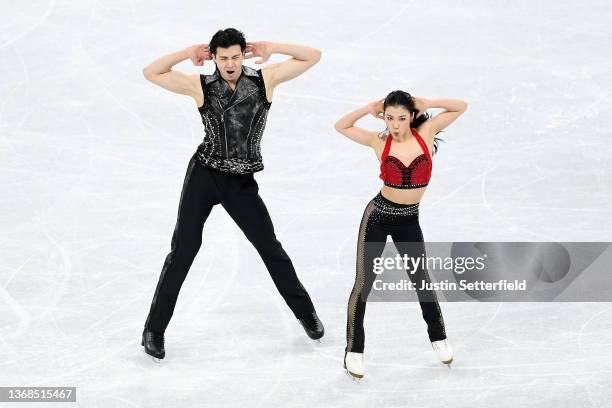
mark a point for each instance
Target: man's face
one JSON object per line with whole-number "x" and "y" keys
{"x": 229, "y": 62}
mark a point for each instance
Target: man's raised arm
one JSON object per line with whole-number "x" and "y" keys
{"x": 304, "y": 57}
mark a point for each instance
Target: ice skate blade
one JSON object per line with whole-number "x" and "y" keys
{"x": 448, "y": 363}
{"x": 155, "y": 359}
{"x": 355, "y": 377}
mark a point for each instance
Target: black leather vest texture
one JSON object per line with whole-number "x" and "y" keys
{"x": 234, "y": 122}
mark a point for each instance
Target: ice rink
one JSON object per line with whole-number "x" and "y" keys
{"x": 93, "y": 158}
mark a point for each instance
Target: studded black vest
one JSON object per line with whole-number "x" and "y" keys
{"x": 234, "y": 122}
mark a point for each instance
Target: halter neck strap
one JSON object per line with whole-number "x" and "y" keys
{"x": 421, "y": 142}
{"x": 387, "y": 148}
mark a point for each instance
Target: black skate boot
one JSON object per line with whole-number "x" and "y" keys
{"x": 153, "y": 343}
{"x": 313, "y": 326}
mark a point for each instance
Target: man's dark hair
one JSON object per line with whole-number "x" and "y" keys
{"x": 226, "y": 38}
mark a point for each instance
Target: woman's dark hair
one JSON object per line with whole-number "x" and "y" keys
{"x": 226, "y": 38}
{"x": 404, "y": 99}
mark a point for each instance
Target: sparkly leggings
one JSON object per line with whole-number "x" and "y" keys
{"x": 381, "y": 218}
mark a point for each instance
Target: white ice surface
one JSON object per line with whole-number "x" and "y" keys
{"x": 92, "y": 159}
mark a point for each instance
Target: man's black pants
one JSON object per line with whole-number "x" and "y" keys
{"x": 238, "y": 194}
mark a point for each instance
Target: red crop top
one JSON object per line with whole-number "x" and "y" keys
{"x": 415, "y": 175}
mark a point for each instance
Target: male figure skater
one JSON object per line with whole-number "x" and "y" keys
{"x": 233, "y": 103}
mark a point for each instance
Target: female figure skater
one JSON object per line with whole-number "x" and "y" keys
{"x": 405, "y": 164}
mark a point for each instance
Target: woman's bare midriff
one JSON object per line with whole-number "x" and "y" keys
{"x": 403, "y": 196}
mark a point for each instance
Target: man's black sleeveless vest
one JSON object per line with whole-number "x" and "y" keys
{"x": 234, "y": 122}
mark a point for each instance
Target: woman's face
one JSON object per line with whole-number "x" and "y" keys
{"x": 398, "y": 119}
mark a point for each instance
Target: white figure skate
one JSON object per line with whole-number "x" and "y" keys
{"x": 353, "y": 363}
{"x": 444, "y": 351}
